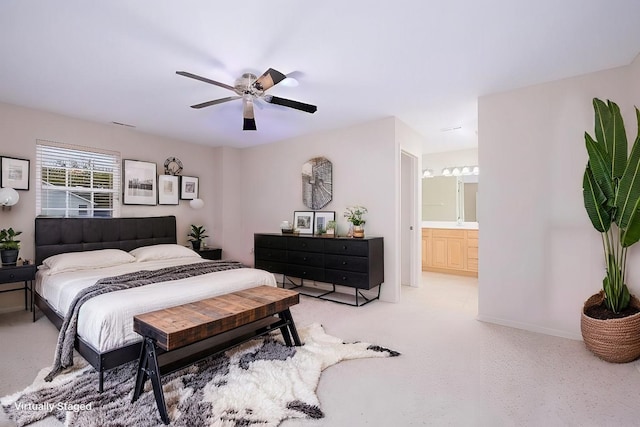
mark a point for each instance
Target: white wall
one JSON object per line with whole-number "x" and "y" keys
{"x": 365, "y": 172}
{"x": 540, "y": 257}
{"x": 439, "y": 161}
{"x": 20, "y": 128}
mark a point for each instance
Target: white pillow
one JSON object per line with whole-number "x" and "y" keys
{"x": 72, "y": 261}
{"x": 164, "y": 251}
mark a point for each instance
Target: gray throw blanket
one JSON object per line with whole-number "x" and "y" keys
{"x": 66, "y": 339}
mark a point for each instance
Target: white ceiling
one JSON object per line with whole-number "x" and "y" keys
{"x": 423, "y": 61}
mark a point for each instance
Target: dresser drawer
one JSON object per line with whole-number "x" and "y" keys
{"x": 264, "y": 241}
{"x": 268, "y": 254}
{"x": 313, "y": 259}
{"x": 270, "y": 266}
{"x": 347, "y": 263}
{"x": 305, "y": 272}
{"x": 307, "y": 244}
{"x": 347, "y": 247}
{"x": 348, "y": 278}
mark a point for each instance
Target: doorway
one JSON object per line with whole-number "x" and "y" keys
{"x": 409, "y": 227}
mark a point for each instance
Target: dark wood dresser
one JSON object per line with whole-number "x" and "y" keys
{"x": 354, "y": 263}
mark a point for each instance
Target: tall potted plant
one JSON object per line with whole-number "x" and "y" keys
{"x": 9, "y": 246}
{"x": 610, "y": 321}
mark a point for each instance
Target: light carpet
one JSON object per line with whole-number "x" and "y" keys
{"x": 261, "y": 382}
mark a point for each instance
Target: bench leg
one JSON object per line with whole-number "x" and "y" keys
{"x": 292, "y": 327}
{"x": 148, "y": 368}
{"x": 285, "y": 330}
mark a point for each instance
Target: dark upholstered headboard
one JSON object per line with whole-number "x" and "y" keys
{"x": 60, "y": 235}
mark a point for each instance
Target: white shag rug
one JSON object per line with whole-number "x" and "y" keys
{"x": 261, "y": 382}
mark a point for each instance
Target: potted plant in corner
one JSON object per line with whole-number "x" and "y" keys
{"x": 196, "y": 236}
{"x": 9, "y": 246}
{"x": 610, "y": 320}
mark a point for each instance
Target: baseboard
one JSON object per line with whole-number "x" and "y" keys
{"x": 529, "y": 327}
{"x": 4, "y": 310}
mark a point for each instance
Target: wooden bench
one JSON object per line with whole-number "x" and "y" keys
{"x": 179, "y": 336}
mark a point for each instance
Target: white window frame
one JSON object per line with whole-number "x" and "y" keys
{"x": 77, "y": 158}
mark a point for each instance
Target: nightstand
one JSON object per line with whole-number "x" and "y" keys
{"x": 19, "y": 273}
{"x": 210, "y": 253}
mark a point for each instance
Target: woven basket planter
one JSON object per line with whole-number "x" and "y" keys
{"x": 613, "y": 340}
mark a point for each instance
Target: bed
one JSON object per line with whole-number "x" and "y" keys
{"x": 105, "y": 336}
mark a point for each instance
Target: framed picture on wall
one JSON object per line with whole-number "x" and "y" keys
{"x": 139, "y": 182}
{"x": 303, "y": 221}
{"x": 321, "y": 218}
{"x": 188, "y": 187}
{"x": 14, "y": 173}
{"x": 168, "y": 188}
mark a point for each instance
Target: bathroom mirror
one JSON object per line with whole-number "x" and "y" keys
{"x": 450, "y": 198}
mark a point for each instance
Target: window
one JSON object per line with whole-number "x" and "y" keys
{"x": 75, "y": 181}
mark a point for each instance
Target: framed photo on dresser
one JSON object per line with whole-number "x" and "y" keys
{"x": 303, "y": 221}
{"x": 321, "y": 220}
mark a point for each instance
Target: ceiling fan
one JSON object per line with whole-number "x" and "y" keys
{"x": 249, "y": 87}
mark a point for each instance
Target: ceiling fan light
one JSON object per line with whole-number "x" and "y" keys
{"x": 289, "y": 82}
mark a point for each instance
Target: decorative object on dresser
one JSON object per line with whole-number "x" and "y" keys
{"x": 610, "y": 319}
{"x": 303, "y": 222}
{"x": 139, "y": 186}
{"x": 356, "y": 264}
{"x": 354, "y": 216}
{"x": 197, "y": 235}
{"x": 9, "y": 246}
{"x": 168, "y": 189}
{"x": 188, "y": 187}
{"x": 286, "y": 227}
{"x": 321, "y": 221}
{"x": 331, "y": 228}
{"x": 317, "y": 186}
{"x": 14, "y": 173}
{"x": 261, "y": 382}
{"x": 20, "y": 273}
{"x": 210, "y": 253}
{"x": 450, "y": 251}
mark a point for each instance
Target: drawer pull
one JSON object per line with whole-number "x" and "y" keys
{"x": 344, "y": 262}
{"x": 344, "y": 247}
{"x": 11, "y": 276}
{"x": 344, "y": 278}
{"x": 304, "y": 259}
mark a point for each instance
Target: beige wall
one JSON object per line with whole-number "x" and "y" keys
{"x": 21, "y": 127}
{"x": 365, "y": 172}
{"x": 245, "y": 190}
{"x": 540, "y": 257}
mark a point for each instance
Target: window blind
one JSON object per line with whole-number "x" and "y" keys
{"x": 76, "y": 181}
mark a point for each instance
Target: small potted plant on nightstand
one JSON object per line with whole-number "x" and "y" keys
{"x": 196, "y": 236}
{"x": 9, "y": 246}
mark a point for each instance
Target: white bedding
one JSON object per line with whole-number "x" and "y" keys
{"x": 106, "y": 321}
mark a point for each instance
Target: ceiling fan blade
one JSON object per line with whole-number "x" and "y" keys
{"x": 291, "y": 104}
{"x": 215, "y": 101}
{"x": 204, "y": 79}
{"x": 247, "y": 113}
{"x": 269, "y": 79}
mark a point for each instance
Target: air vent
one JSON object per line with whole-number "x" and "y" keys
{"x": 123, "y": 124}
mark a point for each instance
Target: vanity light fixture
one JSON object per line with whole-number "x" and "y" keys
{"x": 446, "y": 172}
{"x": 456, "y": 171}
{"x": 427, "y": 173}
